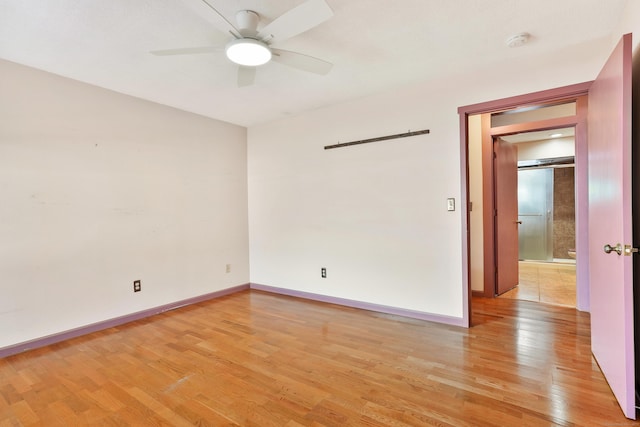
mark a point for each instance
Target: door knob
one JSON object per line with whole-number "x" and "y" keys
{"x": 617, "y": 249}
{"x": 628, "y": 250}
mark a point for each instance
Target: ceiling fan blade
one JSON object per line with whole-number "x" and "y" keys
{"x": 246, "y": 76}
{"x": 204, "y": 9}
{"x": 301, "y": 61}
{"x": 186, "y": 50}
{"x": 296, "y": 21}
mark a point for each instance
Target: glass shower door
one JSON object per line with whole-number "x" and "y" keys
{"x": 535, "y": 213}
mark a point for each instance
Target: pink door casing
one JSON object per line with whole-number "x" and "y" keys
{"x": 611, "y": 275}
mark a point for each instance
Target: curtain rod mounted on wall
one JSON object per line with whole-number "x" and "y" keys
{"x": 380, "y": 138}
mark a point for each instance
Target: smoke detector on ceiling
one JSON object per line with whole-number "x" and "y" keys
{"x": 518, "y": 40}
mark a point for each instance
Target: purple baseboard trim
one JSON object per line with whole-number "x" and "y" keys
{"x": 449, "y": 320}
{"x": 117, "y": 321}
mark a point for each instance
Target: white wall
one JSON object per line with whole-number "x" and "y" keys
{"x": 375, "y": 215}
{"x": 99, "y": 189}
{"x": 547, "y": 149}
{"x": 630, "y": 23}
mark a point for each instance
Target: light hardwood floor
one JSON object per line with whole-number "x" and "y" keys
{"x": 548, "y": 282}
{"x": 258, "y": 359}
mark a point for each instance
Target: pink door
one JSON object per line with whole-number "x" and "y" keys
{"x": 506, "y": 225}
{"x": 611, "y": 274}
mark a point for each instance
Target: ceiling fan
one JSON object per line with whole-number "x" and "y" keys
{"x": 250, "y": 48}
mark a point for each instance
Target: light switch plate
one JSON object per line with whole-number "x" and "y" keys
{"x": 451, "y": 204}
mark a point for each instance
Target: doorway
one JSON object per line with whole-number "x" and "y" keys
{"x": 606, "y": 216}
{"x": 528, "y": 139}
{"x": 482, "y": 254}
{"x": 546, "y": 217}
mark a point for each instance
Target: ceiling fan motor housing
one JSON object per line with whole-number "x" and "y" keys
{"x": 248, "y": 22}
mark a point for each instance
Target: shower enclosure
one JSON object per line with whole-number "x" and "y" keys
{"x": 535, "y": 214}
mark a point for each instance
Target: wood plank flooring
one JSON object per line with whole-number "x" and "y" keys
{"x": 258, "y": 359}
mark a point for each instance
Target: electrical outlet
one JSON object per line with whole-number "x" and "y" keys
{"x": 323, "y": 272}
{"x": 137, "y": 286}
{"x": 228, "y": 270}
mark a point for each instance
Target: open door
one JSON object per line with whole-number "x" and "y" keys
{"x": 610, "y": 225}
{"x": 506, "y": 214}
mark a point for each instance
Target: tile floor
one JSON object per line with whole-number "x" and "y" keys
{"x": 548, "y": 282}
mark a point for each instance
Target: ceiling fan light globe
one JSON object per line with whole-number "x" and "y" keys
{"x": 248, "y": 52}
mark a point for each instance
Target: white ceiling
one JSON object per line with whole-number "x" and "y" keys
{"x": 375, "y": 45}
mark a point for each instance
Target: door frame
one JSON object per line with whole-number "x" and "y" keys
{"x": 577, "y": 92}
